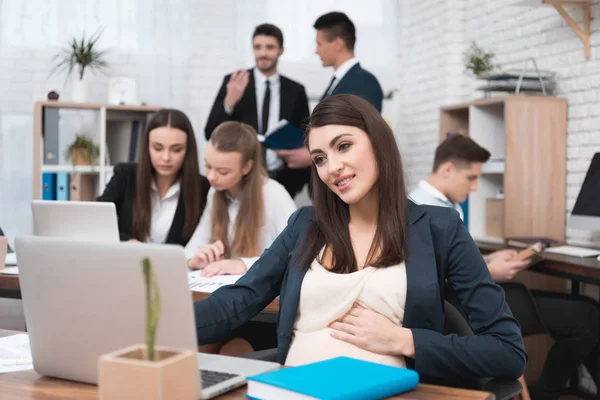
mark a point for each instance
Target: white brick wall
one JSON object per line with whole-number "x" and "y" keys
{"x": 434, "y": 35}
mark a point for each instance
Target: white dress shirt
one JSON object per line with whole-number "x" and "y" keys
{"x": 278, "y": 206}
{"x": 163, "y": 212}
{"x": 426, "y": 193}
{"x": 272, "y": 160}
{"x": 341, "y": 72}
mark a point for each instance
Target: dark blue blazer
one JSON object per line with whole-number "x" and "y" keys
{"x": 439, "y": 248}
{"x": 362, "y": 83}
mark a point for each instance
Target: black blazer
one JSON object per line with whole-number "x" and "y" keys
{"x": 121, "y": 191}
{"x": 293, "y": 108}
{"x": 439, "y": 248}
{"x": 362, "y": 83}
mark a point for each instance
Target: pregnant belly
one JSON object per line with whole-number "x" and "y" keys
{"x": 317, "y": 346}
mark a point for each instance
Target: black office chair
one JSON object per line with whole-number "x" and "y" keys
{"x": 454, "y": 322}
{"x": 503, "y": 389}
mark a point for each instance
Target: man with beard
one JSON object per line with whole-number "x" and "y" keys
{"x": 261, "y": 97}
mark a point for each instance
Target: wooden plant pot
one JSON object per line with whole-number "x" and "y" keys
{"x": 79, "y": 157}
{"x": 126, "y": 374}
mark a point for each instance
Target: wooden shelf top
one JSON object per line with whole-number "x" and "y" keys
{"x": 96, "y": 106}
{"x": 498, "y": 101}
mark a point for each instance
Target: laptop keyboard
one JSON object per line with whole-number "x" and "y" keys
{"x": 210, "y": 378}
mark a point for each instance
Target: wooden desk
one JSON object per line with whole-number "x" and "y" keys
{"x": 30, "y": 385}
{"x": 576, "y": 269}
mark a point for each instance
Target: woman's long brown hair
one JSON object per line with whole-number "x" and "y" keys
{"x": 240, "y": 138}
{"x": 331, "y": 225}
{"x": 189, "y": 176}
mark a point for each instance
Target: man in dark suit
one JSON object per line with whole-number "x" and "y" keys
{"x": 261, "y": 97}
{"x": 336, "y": 37}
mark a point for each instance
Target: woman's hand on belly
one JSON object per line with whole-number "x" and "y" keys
{"x": 373, "y": 332}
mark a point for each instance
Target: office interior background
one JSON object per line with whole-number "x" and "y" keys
{"x": 179, "y": 50}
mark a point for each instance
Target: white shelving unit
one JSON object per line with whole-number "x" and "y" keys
{"x": 111, "y": 130}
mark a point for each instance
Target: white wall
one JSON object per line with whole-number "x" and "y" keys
{"x": 435, "y": 33}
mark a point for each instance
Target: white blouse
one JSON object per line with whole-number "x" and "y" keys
{"x": 163, "y": 212}
{"x": 278, "y": 207}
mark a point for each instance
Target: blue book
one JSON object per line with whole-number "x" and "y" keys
{"x": 337, "y": 378}
{"x": 48, "y": 186}
{"x": 62, "y": 186}
{"x": 284, "y": 136}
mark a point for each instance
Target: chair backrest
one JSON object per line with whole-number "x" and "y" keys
{"x": 524, "y": 309}
{"x": 454, "y": 322}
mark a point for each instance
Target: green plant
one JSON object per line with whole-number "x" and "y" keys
{"x": 478, "y": 61}
{"x": 82, "y": 53}
{"x": 91, "y": 150}
{"x": 152, "y": 306}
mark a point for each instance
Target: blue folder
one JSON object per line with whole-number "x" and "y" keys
{"x": 48, "y": 186}
{"x": 62, "y": 186}
{"x": 339, "y": 378}
{"x": 285, "y": 136}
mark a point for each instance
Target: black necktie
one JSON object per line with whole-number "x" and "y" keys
{"x": 265, "y": 108}
{"x": 328, "y": 88}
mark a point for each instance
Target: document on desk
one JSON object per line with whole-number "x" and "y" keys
{"x": 15, "y": 353}
{"x": 10, "y": 271}
{"x": 199, "y": 283}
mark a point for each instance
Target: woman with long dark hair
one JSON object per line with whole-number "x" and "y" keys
{"x": 161, "y": 198}
{"x": 362, "y": 273}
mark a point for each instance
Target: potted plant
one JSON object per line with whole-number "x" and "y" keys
{"x": 479, "y": 61}
{"x": 83, "y": 151}
{"x": 83, "y": 54}
{"x": 148, "y": 371}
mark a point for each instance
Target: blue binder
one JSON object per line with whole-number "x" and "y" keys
{"x": 286, "y": 136}
{"x": 62, "y": 186}
{"x": 48, "y": 186}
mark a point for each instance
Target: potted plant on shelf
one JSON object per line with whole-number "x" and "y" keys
{"x": 478, "y": 61}
{"x": 83, "y": 54}
{"x": 83, "y": 151}
{"x": 149, "y": 371}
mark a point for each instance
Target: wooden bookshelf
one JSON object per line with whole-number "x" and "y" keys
{"x": 526, "y": 136}
{"x": 114, "y": 122}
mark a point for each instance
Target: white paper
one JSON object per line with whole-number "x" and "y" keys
{"x": 15, "y": 353}
{"x": 11, "y": 259}
{"x": 199, "y": 283}
{"x": 10, "y": 271}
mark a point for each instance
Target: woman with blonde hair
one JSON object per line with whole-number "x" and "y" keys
{"x": 245, "y": 210}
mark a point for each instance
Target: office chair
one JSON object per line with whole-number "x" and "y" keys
{"x": 454, "y": 322}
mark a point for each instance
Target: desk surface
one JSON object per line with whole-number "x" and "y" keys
{"x": 586, "y": 269}
{"x": 30, "y": 385}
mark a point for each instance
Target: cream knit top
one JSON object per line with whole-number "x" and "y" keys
{"x": 326, "y": 296}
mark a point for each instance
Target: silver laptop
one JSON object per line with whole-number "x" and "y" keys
{"x": 84, "y": 299}
{"x": 82, "y": 220}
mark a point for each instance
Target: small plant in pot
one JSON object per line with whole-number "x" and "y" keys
{"x": 83, "y": 151}
{"x": 479, "y": 62}
{"x": 81, "y": 54}
{"x": 149, "y": 371}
